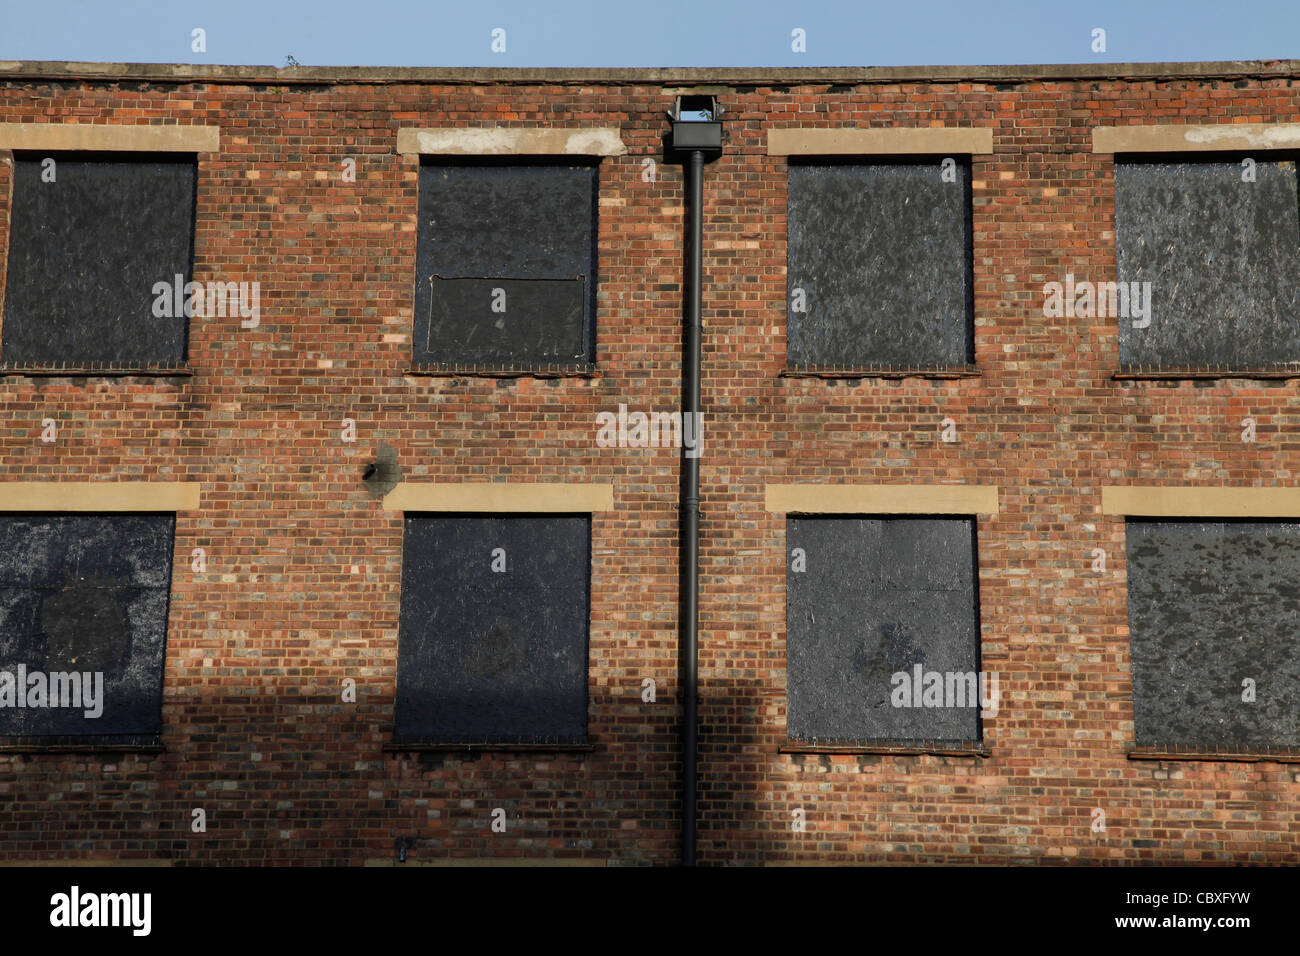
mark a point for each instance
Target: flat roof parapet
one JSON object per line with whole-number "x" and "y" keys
{"x": 180, "y": 73}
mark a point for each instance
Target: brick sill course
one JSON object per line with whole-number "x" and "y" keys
{"x": 79, "y": 747}
{"x": 935, "y": 750}
{"x": 504, "y": 371}
{"x": 506, "y": 747}
{"x": 95, "y": 371}
{"x": 1201, "y": 374}
{"x": 1236, "y": 756}
{"x": 812, "y": 371}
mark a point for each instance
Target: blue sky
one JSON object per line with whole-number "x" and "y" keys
{"x": 603, "y": 33}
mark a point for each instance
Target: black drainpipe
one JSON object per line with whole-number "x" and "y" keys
{"x": 691, "y": 513}
{"x": 693, "y": 138}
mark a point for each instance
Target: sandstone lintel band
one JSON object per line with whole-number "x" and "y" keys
{"x": 1154, "y": 501}
{"x": 1168, "y": 138}
{"x": 110, "y": 137}
{"x": 512, "y": 141}
{"x": 99, "y": 495}
{"x": 882, "y": 499}
{"x": 499, "y": 496}
{"x": 850, "y": 141}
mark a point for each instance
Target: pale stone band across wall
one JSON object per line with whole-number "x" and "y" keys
{"x": 499, "y": 496}
{"x": 1164, "y": 502}
{"x": 102, "y": 136}
{"x": 866, "y": 142}
{"x": 1181, "y": 138}
{"x": 99, "y": 495}
{"x": 561, "y": 141}
{"x": 883, "y": 499}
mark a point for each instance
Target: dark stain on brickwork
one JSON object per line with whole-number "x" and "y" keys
{"x": 383, "y": 474}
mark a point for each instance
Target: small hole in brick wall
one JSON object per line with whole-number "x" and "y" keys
{"x": 384, "y": 473}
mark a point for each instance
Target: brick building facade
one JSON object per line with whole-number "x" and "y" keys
{"x": 281, "y": 678}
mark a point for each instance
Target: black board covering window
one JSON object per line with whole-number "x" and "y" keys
{"x": 1214, "y": 623}
{"x": 1219, "y": 242}
{"x": 870, "y": 598}
{"x": 80, "y": 596}
{"x": 506, "y": 265}
{"x": 494, "y": 624}
{"x": 90, "y": 237}
{"x": 879, "y": 264}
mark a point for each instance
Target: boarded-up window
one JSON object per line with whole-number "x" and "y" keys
{"x": 878, "y": 610}
{"x": 83, "y": 610}
{"x": 879, "y": 264}
{"x": 506, "y": 265}
{"x": 493, "y": 641}
{"x": 1214, "y": 618}
{"x": 90, "y": 238}
{"x": 1219, "y": 243}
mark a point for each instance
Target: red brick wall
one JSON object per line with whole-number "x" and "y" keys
{"x": 303, "y": 566}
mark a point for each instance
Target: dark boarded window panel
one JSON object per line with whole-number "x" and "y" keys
{"x": 487, "y": 656}
{"x": 492, "y": 222}
{"x": 882, "y": 253}
{"x": 1210, "y": 605}
{"x": 543, "y": 316}
{"x": 878, "y": 596}
{"x": 87, "y": 593}
{"x": 85, "y": 252}
{"x": 1222, "y": 257}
